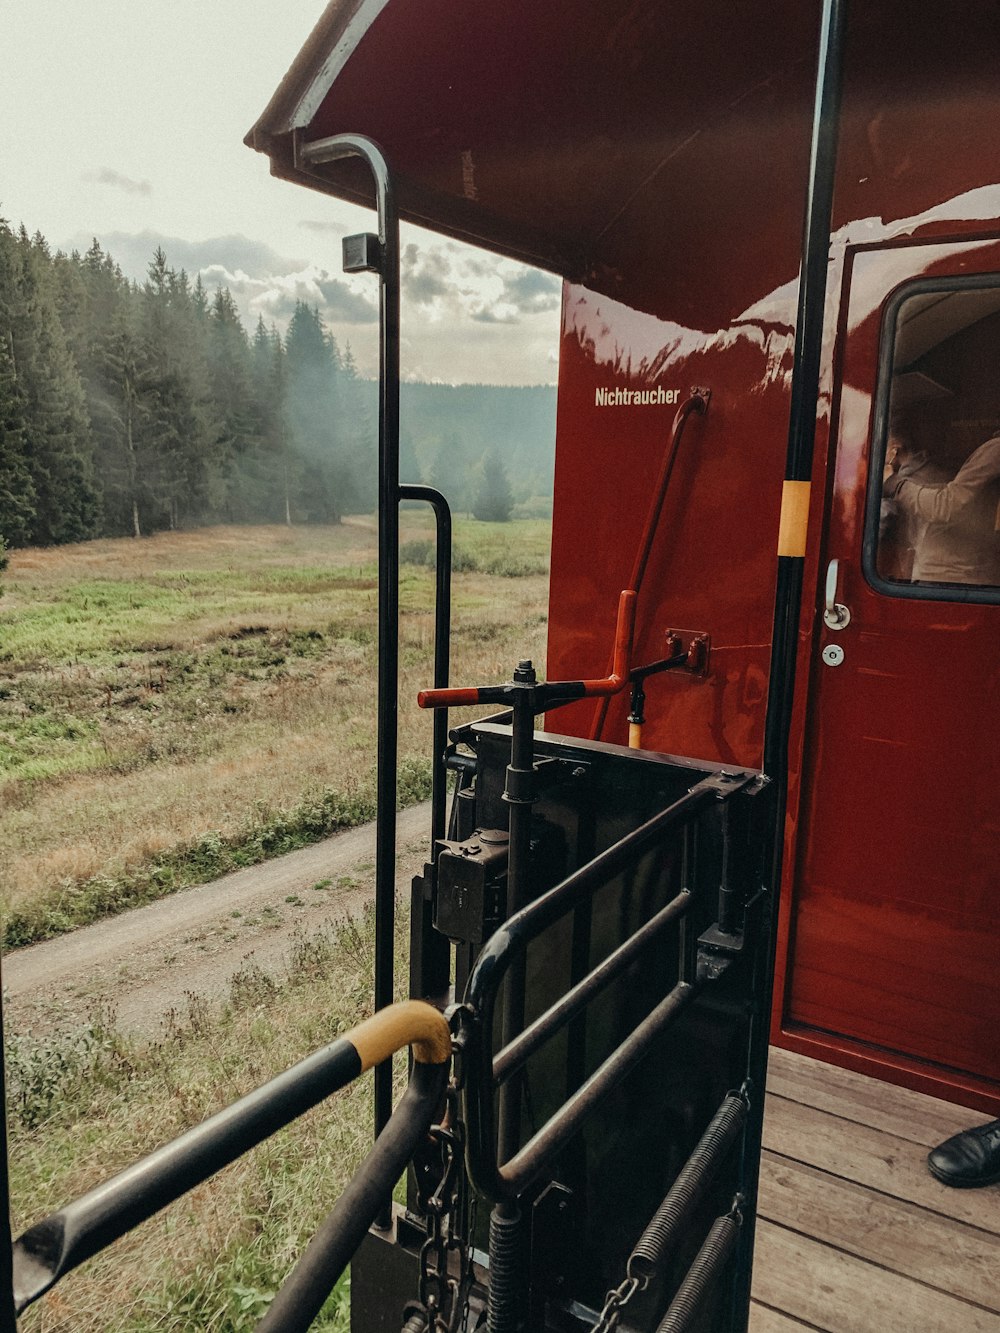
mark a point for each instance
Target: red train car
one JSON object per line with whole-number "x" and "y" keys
{"x": 656, "y": 156}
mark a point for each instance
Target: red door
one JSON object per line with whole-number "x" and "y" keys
{"x": 892, "y": 950}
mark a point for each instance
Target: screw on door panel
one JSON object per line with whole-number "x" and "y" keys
{"x": 833, "y": 654}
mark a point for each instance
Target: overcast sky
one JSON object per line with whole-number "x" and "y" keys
{"x": 124, "y": 120}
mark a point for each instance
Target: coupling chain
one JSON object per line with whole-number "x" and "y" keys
{"x": 615, "y": 1302}
{"x": 442, "y": 1296}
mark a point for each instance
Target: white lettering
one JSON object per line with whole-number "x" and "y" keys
{"x": 618, "y": 397}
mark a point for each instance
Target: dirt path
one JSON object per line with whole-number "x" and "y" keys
{"x": 148, "y": 961}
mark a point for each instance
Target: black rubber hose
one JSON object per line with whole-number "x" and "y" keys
{"x": 702, "y": 1275}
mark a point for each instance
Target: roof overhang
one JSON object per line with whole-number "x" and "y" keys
{"x": 584, "y": 136}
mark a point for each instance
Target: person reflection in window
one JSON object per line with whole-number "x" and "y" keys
{"x": 901, "y": 531}
{"x": 954, "y": 525}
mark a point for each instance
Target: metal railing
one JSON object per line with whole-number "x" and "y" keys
{"x": 53, "y": 1247}
{"x": 486, "y": 1071}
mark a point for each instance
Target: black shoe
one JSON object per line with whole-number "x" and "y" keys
{"x": 968, "y": 1159}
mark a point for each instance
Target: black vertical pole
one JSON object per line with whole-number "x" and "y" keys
{"x": 386, "y": 264}
{"x": 8, "y": 1322}
{"x": 388, "y": 623}
{"x": 519, "y": 793}
{"x": 430, "y": 952}
{"x": 442, "y": 643}
{"x": 804, "y": 390}
{"x": 508, "y": 1298}
{"x": 809, "y": 329}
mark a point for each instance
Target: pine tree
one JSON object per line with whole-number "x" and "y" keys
{"x": 57, "y": 426}
{"x": 357, "y": 439}
{"x": 236, "y": 442}
{"x": 312, "y": 396}
{"x": 107, "y": 301}
{"x": 188, "y": 476}
{"x": 494, "y": 499}
{"x": 450, "y": 474}
{"x": 134, "y": 474}
{"x": 270, "y": 394}
{"x": 17, "y": 492}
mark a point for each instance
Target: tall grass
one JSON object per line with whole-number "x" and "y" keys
{"x": 179, "y": 706}
{"x": 87, "y": 1102}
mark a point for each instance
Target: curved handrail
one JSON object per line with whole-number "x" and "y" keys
{"x": 696, "y": 402}
{"x": 442, "y": 646}
{"x": 312, "y": 154}
{"x": 305, "y": 1290}
{"x": 62, "y": 1241}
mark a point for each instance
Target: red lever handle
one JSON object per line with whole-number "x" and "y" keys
{"x": 624, "y": 630}
{"x": 581, "y": 689}
{"x": 449, "y": 698}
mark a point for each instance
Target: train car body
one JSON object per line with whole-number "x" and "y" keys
{"x": 769, "y": 761}
{"x": 655, "y": 156}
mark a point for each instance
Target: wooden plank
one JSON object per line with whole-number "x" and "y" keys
{"x": 839, "y": 1293}
{"x": 880, "y": 1161}
{"x": 899, "y": 1236}
{"x": 765, "y": 1320}
{"x": 900, "y": 1111}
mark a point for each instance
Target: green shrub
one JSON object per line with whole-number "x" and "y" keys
{"x": 268, "y": 833}
{"x": 504, "y": 564}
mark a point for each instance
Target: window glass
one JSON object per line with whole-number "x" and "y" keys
{"x": 939, "y": 512}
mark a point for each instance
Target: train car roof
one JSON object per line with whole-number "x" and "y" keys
{"x": 577, "y": 135}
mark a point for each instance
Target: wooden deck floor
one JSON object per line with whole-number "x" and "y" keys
{"x": 854, "y": 1235}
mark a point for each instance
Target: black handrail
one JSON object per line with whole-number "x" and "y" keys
{"x": 543, "y": 1147}
{"x": 305, "y": 1290}
{"x": 504, "y": 1181}
{"x": 517, "y": 1052}
{"x": 59, "y": 1243}
{"x": 442, "y": 644}
{"x": 8, "y": 1318}
{"x": 430, "y": 951}
{"x": 386, "y": 263}
{"x": 810, "y": 323}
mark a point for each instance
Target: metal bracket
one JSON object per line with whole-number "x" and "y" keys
{"x": 363, "y": 253}
{"x": 696, "y": 643}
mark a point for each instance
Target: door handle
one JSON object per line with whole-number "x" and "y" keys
{"x": 835, "y": 614}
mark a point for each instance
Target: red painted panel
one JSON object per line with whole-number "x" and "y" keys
{"x": 607, "y": 461}
{"x": 896, "y": 909}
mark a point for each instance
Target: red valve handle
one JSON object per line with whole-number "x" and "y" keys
{"x": 449, "y": 698}
{"x": 581, "y": 689}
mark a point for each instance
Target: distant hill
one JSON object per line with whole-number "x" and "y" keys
{"x": 446, "y": 430}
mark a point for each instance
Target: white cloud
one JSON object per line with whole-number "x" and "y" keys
{"x": 108, "y": 176}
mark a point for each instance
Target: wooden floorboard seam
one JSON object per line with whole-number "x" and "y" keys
{"x": 882, "y": 1193}
{"x": 776, "y": 1309}
{"x": 848, "y": 1120}
{"x": 882, "y": 1268}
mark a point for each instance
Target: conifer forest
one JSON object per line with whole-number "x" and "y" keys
{"x": 130, "y": 408}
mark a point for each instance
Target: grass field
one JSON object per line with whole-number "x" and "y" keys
{"x": 175, "y": 707}
{"x": 170, "y": 708}
{"x": 85, "y": 1104}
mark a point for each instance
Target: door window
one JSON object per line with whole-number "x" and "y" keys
{"x": 933, "y": 525}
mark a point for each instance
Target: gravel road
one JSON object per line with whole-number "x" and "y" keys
{"x": 146, "y": 962}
